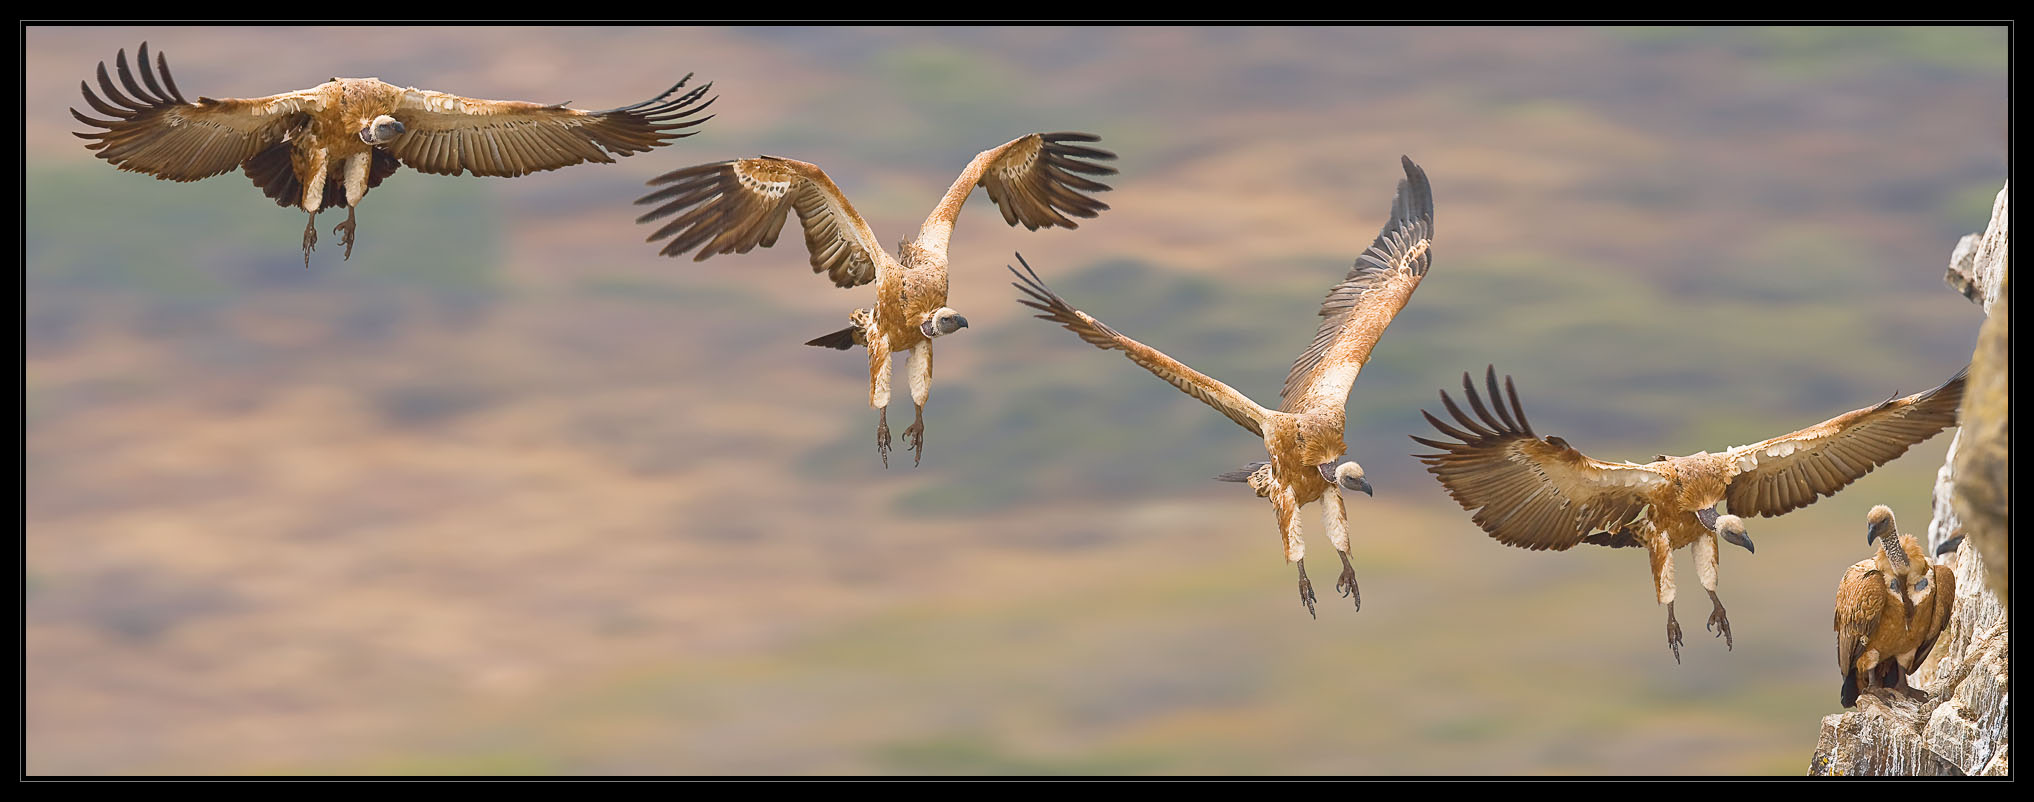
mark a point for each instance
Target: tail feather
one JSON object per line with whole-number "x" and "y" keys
{"x": 1621, "y": 539}
{"x": 1241, "y": 474}
{"x": 840, "y": 340}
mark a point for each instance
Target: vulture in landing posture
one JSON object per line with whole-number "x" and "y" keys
{"x": 328, "y": 145}
{"x": 1540, "y": 493}
{"x": 1889, "y": 610}
{"x": 1303, "y": 436}
{"x": 732, "y": 207}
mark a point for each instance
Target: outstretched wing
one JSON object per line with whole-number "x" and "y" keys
{"x": 448, "y": 134}
{"x": 1525, "y": 490}
{"x": 1222, "y": 397}
{"x": 1790, "y": 471}
{"x": 154, "y": 130}
{"x": 1860, "y": 601}
{"x": 731, "y": 207}
{"x": 1033, "y": 181}
{"x": 1359, "y": 308}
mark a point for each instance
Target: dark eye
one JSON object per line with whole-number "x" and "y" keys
{"x": 1921, "y": 585}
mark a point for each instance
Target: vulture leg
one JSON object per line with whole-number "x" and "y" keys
{"x": 920, "y": 367}
{"x": 1335, "y": 518}
{"x": 310, "y": 238}
{"x": 1306, "y": 587}
{"x": 883, "y": 435}
{"x": 1346, "y": 584}
{"x": 345, "y": 232}
{"x": 1673, "y": 633}
{"x": 1286, "y": 506}
{"x": 879, "y": 393}
{"x": 1705, "y": 566}
{"x": 1662, "y": 553}
{"x": 914, "y": 437}
{"x": 1895, "y": 678}
{"x": 356, "y": 175}
{"x": 1718, "y": 621}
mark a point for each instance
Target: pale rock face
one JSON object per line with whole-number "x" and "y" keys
{"x": 1960, "y": 728}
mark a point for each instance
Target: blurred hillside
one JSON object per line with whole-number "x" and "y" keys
{"x": 510, "y": 493}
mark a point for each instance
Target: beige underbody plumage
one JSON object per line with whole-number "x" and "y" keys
{"x": 735, "y": 206}
{"x": 328, "y": 145}
{"x": 1889, "y": 610}
{"x": 1540, "y": 493}
{"x": 1303, "y": 437}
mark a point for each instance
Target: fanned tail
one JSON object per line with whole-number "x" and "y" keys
{"x": 1241, "y": 474}
{"x": 840, "y": 340}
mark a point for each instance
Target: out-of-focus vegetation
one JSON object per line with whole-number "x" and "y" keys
{"x": 508, "y": 493}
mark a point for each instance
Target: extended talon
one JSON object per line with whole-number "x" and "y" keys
{"x": 1346, "y": 584}
{"x": 1306, "y": 589}
{"x": 883, "y": 439}
{"x": 310, "y": 240}
{"x": 346, "y": 238}
{"x": 914, "y": 439}
{"x": 1673, "y": 633}
{"x": 1719, "y": 622}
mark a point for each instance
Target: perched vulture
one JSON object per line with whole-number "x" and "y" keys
{"x": 328, "y": 145}
{"x": 1303, "y": 436}
{"x": 1540, "y": 493}
{"x": 1889, "y": 610}
{"x": 734, "y": 206}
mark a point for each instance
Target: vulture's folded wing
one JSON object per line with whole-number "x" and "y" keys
{"x": 1860, "y": 601}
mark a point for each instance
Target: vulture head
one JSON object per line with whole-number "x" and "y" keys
{"x": 1879, "y": 526}
{"x": 942, "y": 321}
{"x": 1346, "y": 474}
{"x": 1731, "y": 528}
{"x": 382, "y": 130}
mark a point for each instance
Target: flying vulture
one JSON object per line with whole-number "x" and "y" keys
{"x": 1303, "y": 437}
{"x": 1889, "y": 610}
{"x": 328, "y": 145}
{"x": 1540, "y": 493}
{"x": 734, "y": 206}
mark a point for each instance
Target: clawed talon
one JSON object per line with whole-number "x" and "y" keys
{"x": 310, "y": 240}
{"x": 1673, "y": 633}
{"x": 345, "y": 232}
{"x": 1720, "y": 623}
{"x": 1306, "y": 589}
{"x": 914, "y": 439}
{"x": 883, "y": 440}
{"x": 1346, "y": 584}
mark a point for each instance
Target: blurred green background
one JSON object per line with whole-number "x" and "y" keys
{"x": 509, "y": 493}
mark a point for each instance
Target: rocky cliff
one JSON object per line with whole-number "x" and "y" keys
{"x": 1957, "y": 725}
